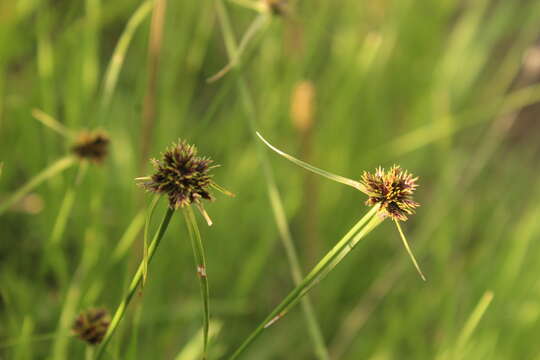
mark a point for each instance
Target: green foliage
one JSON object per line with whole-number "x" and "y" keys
{"x": 435, "y": 86}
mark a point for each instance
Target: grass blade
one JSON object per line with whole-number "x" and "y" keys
{"x": 52, "y": 123}
{"x": 200, "y": 261}
{"x": 135, "y": 281}
{"x": 149, "y": 214}
{"x": 56, "y": 168}
{"x": 119, "y": 54}
{"x": 191, "y": 350}
{"x": 128, "y": 237}
{"x": 316, "y": 170}
{"x": 252, "y": 30}
{"x": 360, "y": 229}
{"x": 473, "y": 320}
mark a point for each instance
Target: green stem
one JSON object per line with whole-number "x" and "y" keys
{"x": 120, "y": 311}
{"x": 472, "y": 323}
{"x": 274, "y": 196}
{"x": 119, "y": 54}
{"x": 200, "y": 262}
{"x": 56, "y": 168}
{"x": 149, "y": 215}
{"x": 327, "y": 263}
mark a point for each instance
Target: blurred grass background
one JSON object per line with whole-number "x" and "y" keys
{"x": 447, "y": 89}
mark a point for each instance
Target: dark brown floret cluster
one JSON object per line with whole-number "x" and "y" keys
{"x": 91, "y": 146}
{"x": 392, "y": 190}
{"x": 182, "y": 176}
{"x": 91, "y": 325}
{"x": 277, "y": 7}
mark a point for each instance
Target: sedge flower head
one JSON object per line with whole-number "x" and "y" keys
{"x": 91, "y": 325}
{"x": 392, "y": 190}
{"x": 182, "y": 175}
{"x": 277, "y": 7}
{"x": 91, "y": 146}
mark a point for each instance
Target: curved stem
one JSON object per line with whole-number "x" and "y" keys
{"x": 340, "y": 179}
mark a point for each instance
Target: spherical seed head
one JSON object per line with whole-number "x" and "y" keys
{"x": 91, "y": 325}
{"x": 91, "y": 146}
{"x": 277, "y": 7}
{"x": 181, "y": 175}
{"x": 392, "y": 190}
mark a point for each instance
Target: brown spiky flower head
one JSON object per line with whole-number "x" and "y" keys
{"x": 91, "y": 325}
{"x": 91, "y": 146}
{"x": 392, "y": 190}
{"x": 277, "y": 7}
{"x": 183, "y": 176}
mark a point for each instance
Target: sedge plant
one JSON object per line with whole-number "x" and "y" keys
{"x": 185, "y": 179}
{"x": 390, "y": 195}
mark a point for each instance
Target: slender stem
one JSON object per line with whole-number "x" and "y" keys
{"x": 53, "y": 256}
{"x": 56, "y": 168}
{"x": 273, "y": 193}
{"x": 52, "y": 123}
{"x": 119, "y": 54}
{"x": 374, "y": 222}
{"x": 200, "y": 262}
{"x": 409, "y": 251}
{"x": 66, "y": 206}
{"x": 319, "y": 271}
{"x": 253, "y": 29}
{"x": 120, "y": 311}
{"x": 472, "y": 323}
{"x": 149, "y": 215}
{"x": 128, "y": 237}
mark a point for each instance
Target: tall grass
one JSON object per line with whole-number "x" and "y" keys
{"x": 448, "y": 89}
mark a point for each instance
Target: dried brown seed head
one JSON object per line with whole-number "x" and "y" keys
{"x": 91, "y": 325}
{"x": 91, "y": 146}
{"x": 182, "y": 175}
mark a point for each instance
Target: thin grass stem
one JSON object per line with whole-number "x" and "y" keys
{"x": 314, "y": 276}
{"x": 149, "y": 215}
{"x": 200, "y": 262}
{"x": 52, "y": 123}
{"x": 372, "y": 224}
{"x": 136, "y": 280}
{"x": 472, "y": 322}
{"x": 128, "y": 237}
{"x": 54, "y": 169}
{"x": 252, "y": 30}
{"x": 191, "y": 350}
{"x": 119, "y": 54}
{"x": 274, "y": 196}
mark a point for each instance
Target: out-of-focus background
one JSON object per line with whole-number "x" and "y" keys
{"x": 447, "y": 89}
